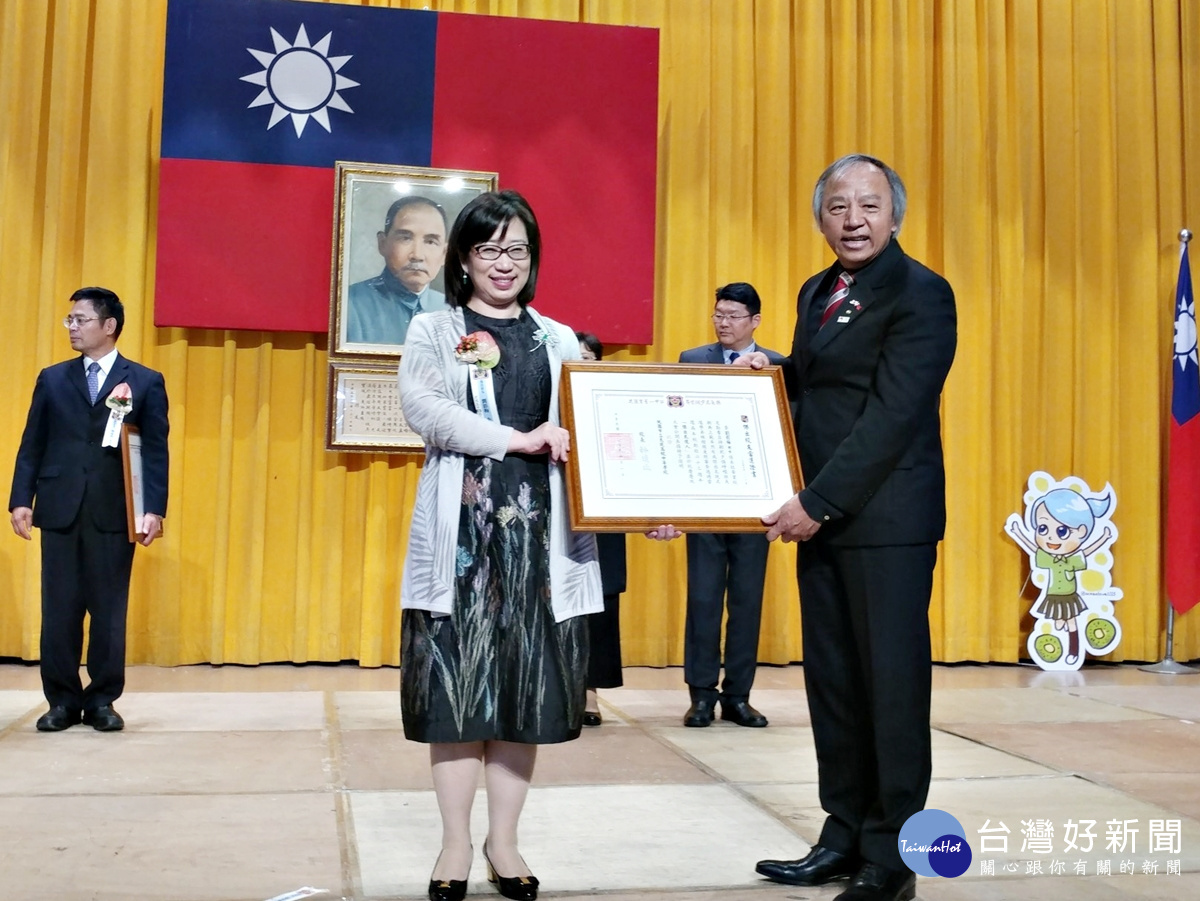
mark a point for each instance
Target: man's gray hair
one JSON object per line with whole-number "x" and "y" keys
{"x": 838, "y": 168}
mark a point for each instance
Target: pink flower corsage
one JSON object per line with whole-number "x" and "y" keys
{"x": 121, "y": 399}
{"x": 479, "y": 348}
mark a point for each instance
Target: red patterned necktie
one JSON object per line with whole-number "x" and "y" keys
{"x": 841, "y": 291}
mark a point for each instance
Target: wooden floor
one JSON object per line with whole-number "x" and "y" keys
{"x": 243, "y": 784}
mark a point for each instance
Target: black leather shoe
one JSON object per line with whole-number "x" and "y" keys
{"x": 447, "y": 889}
{"x": 56, "y": 719}
{"x": 104, "y": 719}
{"x": 518, "y": 888}
{"x": 700, "y": 713}
{"x": 819, "y": 866}
{"x": 742, "y": 713}
{"x": 878, "y": 883}
{"x": 592, "y": 718}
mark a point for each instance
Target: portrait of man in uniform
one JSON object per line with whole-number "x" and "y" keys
{"x": 392, "y": 225}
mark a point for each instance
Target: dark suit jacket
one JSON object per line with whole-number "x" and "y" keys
{"x": 60, "y": 454}
{"x": 712, "y": 353}
{"x": 867, "y": 391}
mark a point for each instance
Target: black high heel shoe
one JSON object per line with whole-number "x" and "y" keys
{"x": 518, "y": 888}
{"x": 447, "y": 889}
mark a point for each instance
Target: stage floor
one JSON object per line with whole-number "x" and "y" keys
{"x": 244, "y": 783}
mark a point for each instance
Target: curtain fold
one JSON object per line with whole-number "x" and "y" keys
{"x": 1049, "y": 150}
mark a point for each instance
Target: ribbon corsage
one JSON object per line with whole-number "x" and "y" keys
{"x": 120, "y": 401}
{"x": 479, "y": 349}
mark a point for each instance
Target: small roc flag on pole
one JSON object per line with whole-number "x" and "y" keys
{"x": 1183, "y": 475}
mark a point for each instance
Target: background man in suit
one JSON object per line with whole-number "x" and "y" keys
{"x": 722, "y": 567}
{"x": 413, "y": 247}
{"x": 73, "y": 489}
{"x": 869, "y": 364}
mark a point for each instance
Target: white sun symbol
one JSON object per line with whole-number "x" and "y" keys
{"x": 301, "y": 80}
{"x": 1185, "y": 333}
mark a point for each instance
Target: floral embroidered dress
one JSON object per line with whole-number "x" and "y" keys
{"x": 499, "y": 667}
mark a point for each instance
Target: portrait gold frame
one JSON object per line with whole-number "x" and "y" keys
{"x": 362, "y": 194}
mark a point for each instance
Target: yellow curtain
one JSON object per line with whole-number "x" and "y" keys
{"x": 1046, "y": 149}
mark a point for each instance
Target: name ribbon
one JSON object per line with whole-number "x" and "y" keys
{"x": 483, "y": 391}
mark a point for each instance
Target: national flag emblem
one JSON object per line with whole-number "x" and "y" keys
{"x": 1185, "y": 391}
{"x": 261, "y": 100}
{"x": 300, "y": 80}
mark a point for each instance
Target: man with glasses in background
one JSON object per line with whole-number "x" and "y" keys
{"x": 69, "y": 481}
{"x": 726, "y": 569}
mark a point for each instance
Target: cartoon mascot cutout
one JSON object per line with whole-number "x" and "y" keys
{"x": 1068, "y": 533}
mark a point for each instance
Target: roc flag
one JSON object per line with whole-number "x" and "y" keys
{"x": 260, "y": 99}
{"x": 1183, "y": 486}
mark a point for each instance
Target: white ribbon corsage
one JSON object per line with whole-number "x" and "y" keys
{"x": 120, "y": 401}
{"x": 479, "y": 349}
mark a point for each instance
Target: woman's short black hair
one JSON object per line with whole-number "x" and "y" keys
{"x": 592, "y": 343}
{"x": 476, "y": 224}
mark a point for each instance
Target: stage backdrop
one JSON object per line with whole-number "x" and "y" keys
{"x": 1051, "y": 153}
{"x": 260, "y": 99}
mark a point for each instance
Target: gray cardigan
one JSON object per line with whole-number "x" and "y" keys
{"x": 433, "y": 394}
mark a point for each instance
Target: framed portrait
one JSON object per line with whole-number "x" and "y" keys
{"x": 363, "y": 410}
{"x": 390, "y": 226}
{"x": 704, "y": 448}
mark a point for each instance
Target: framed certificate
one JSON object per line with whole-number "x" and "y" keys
{"x": 131, "y": 461}
{"x": 703, "y": 448}
{"x": 364, "y": 411}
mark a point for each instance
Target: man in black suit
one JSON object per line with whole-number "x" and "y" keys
{"x": 70, "y": 483}
{"x": 868, "y": 363}
{"x": 725, "y": 569}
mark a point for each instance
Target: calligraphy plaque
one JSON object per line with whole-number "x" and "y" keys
{"x": 364, "y": 413}
{"x": 703, "y": 448}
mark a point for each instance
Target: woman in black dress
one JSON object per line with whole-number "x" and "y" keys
{"x": 496, "y": 586}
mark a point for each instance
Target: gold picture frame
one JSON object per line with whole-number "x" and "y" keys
{"x": 655, "y": 443}
{"x": 366, "y": 317}
{"x": 364, "y": 414}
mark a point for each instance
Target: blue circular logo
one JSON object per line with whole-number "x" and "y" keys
{"x": 933, "y": 843}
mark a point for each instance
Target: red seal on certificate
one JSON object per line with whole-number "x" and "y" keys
{"x": 618, "y": 446}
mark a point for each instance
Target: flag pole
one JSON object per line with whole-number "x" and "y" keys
{"x": 1169, "y": 665}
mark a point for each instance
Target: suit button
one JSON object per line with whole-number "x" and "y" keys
{"x": 807, "y": 392}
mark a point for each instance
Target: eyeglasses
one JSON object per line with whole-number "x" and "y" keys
{"x": 515, "y": 252}
{"x": 718, "y": 318}
{"x": 69, "y": 321}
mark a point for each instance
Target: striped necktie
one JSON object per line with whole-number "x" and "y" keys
{"x": 841, "y": 290}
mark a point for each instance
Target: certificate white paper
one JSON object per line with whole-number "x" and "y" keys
{"x": 706, "y": 446}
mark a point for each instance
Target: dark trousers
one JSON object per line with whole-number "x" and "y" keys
{"x": 604, "y": 645}
{"x": 867, "y": 672}
{"x": 723, "y": 571}
{"x": 84, "y": 570}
